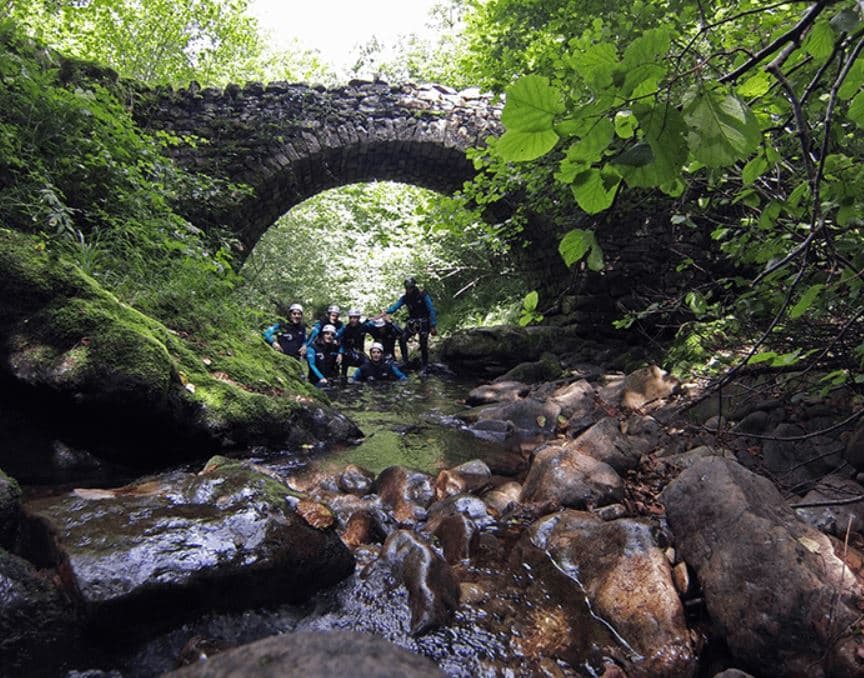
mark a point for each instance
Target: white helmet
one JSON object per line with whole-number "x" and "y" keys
{"x": 328, "y": 328}
{"x": 295, "y": 307}
{"x": 354, "y": 313}
{"x": 334, "y": 309}
{"x": 376, "y": 346}
{"x": 380, "y": 322}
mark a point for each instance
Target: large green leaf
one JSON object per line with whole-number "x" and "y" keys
{"x": 596, "y": 65}
{"x": 576, "y": 244}
{"x": 532, "y": 104}
{"x": 594, "y": 190}
{"x": 590, "y": 148}
{"x": 649, "y": 47}
{"x": 723, "y": 129}
{"x": 519, "y": 146}
{"x": 819, "y": 43}
{"x": 663, "y": 129}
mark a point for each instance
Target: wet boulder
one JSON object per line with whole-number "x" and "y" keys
{"x": 498, "y": 392}
{"x": 627, "y": 580}
{"x": 314, "y": 654}
{"x": 356, "y": 480}
{"x": 228, "y": 537}
{"x": 366, "y": 526}
{"x": 578, "y": 405}
{"x": 433, "y": 591}
{"x": 563, "y": 476}
{"x": 775, "y": 589}
{"x": 407, "y": 493}
{"x": 10, "y": 507}
{"x": 503, "y": 498}
{"x": 468, "y": 477}
{"x": 40, "y": 620}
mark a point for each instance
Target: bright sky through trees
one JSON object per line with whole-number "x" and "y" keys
{"x": 334, "y": 27}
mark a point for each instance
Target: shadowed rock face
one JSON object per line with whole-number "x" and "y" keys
{"x": 170, "y": 545}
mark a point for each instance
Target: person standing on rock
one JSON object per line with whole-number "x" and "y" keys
{"x": 422, "y": 318}
{"x": 377, "y": 368}
{"x": 289, "y": 337}
{"x": 323, "y": 357}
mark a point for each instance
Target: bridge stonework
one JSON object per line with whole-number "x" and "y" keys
{"x": 289, "y": 142}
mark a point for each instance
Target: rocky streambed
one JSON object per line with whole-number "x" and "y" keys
{"x": 568, "y": 520}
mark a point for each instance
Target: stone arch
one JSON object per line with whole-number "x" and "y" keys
{"x": 290, "y": 142}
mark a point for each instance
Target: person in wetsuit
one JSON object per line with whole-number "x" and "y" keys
{"x": 377, "y": 368}
{"x": 422, "y": 318}
{"x": 323, "y": 356}
{"x": 329, "y": 318}
{"x": 386, "y": 332}
{"x": 289, "y": 337}
{"x": 352, "y": 339}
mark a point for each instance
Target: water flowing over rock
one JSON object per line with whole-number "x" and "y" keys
{"x": 628, "y": 580}
{"x": 322, "y": 654}
{"x": 774, "y": 588}
{"x": 432, "y": 589}
{"x": 181, "y": 542}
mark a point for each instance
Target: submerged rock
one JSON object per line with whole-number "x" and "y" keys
{"x": 774, "y": 588}
{"x": 173, "y": 544}
{"x": 321, "y": 654}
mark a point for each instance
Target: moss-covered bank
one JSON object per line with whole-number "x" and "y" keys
{"x": 84, "y": 358}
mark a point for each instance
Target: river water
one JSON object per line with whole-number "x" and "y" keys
{"x": 514, "y": 617}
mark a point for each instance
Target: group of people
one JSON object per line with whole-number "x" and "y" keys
{"x": 331, "y": 347}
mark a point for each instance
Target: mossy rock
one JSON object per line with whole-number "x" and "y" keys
{"x": 67, "y": 342}
{"x": 10, "y": 508}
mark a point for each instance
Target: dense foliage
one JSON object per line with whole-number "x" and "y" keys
{"x": 747, "y": 117}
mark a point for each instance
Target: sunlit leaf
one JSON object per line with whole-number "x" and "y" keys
{"x": 594, "y": 191}
{"x": 819, "y": 43}
{"x": 590, "y": 148}
{"x": 531, "y": 105}
{"x": 755, "y": 86}
{"x": 519, "y": 146}
{"x": 754, "y": 169}
{"x": 576, "y": 244}
{"x": 856, "y": 110}
{"x": 663, "y": 129}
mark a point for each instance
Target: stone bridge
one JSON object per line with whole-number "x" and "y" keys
{"x": 289, "y": 142}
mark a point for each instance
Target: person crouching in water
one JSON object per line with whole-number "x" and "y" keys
{"x": 289, "y": 337}
{"x": 377, "y": 368}
{"x": 352, "y": 337}
{"x": 323, "y": 357}
{"x": 387, "y": 333}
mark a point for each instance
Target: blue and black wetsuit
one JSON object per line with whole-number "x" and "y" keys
{"x": 387, "y": 334}
{"x": 316, "y": 328}
{"x": 383, "y": 370}
{"x": 291, "y": 337}
{"x": 322, "y": 359}
{"x": 352, "y": 339}
{"x": 422, "y": 317}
